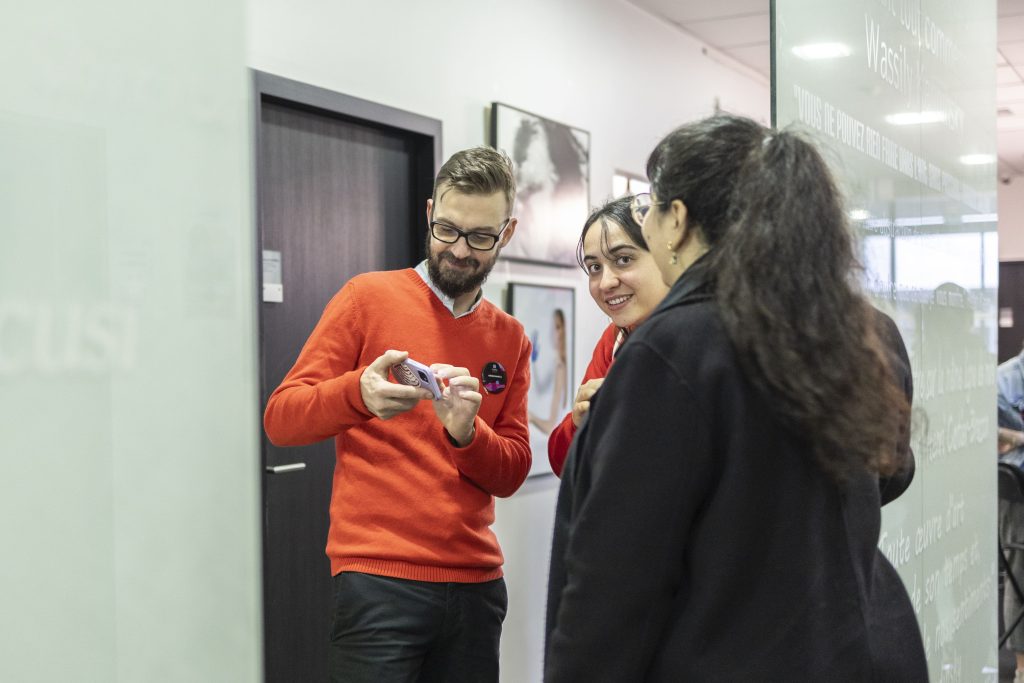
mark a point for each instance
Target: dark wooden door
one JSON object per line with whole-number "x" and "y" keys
{"x": 1011, "y": 296}
{"x": 337, "y": 196}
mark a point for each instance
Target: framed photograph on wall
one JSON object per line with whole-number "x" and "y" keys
{"x": 548, "y": 315}
{"x": 552, "y": 163}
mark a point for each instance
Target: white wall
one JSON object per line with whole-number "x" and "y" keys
{"x": 1011, "y": 220}
{"x": 601, "y": 65}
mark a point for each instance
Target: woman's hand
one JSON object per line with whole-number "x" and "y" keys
{"x": 582, "y": 404}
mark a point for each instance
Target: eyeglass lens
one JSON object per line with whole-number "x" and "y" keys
{"x": 476, "y": 240}
{"x": 641, "y": 204}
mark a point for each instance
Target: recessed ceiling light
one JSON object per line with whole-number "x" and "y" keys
{"x": 977, "y": 159}
{"x": 979, "y": 218}
{"x": 910, "y": 118}
{"x": 821, "y": 51}
{"x": 919, "y": 221}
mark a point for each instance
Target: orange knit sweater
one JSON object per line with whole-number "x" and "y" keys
{"x": 406, "y": 502}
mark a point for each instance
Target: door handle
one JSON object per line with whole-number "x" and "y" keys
{"x": 285, "y": 469}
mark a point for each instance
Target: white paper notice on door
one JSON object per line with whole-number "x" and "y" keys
{"x": 273, "y": 289}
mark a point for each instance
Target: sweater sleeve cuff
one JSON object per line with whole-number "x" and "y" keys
{"x": 476, "y": 435}
{"x": 496, "y": 464}
{"x": 343, "y": 397}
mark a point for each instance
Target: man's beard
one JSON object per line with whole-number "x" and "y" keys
{"x": 452, "y": 283}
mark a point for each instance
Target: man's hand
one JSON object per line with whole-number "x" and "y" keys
{"x": 460, "y": 401}
{"x": 582, "y": 404}
{"x": 384, "y": 398}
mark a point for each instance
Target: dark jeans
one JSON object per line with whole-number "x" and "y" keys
{"x": 395, "y": 631}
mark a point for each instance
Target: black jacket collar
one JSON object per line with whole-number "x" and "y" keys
{"x": 695, "y": 284}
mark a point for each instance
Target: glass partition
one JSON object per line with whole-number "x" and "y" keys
{"x": 902, "y": 94}
{"x": 128, "y": 400}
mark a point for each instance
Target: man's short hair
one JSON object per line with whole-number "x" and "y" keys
{"x": 478, "y": 170}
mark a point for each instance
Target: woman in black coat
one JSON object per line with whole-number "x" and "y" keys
{"x": 719, "y": 514}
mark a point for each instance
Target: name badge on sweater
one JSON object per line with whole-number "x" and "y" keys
{"x": 494, "y": 377}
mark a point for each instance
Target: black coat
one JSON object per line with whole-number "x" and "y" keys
{"x": 697, "y": 540}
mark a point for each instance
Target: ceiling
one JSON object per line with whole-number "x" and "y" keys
{"x": 1010, "y": 87}
{"x": 741, "y": 30}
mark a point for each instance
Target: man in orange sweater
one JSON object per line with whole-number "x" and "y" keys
{"x": 419, "y": 593}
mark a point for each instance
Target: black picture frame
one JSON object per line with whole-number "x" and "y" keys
{"x": 552, "y": 359}
{"x": 552, "y": 162}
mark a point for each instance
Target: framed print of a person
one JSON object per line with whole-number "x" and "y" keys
{"x": 552, "y": 176}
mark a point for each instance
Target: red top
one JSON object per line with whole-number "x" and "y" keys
{"x": 406, "y": 502}
{"x": 561, "y": 436}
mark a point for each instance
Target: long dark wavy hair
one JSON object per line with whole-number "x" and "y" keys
{"x": 784, "y": 269}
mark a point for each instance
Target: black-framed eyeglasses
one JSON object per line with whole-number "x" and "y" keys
{"x": 640, "y": 205}
{"x": 481, "y": 241}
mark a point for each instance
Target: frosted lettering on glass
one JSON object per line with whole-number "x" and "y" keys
{"x": 905, "y": 108}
